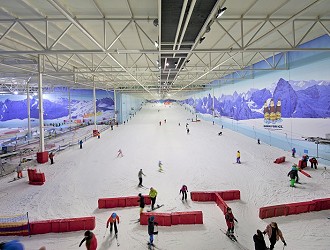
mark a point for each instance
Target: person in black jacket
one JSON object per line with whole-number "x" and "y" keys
{"x": 294, "y": 178}
{"x": 259, "y": 241}
{"x": 142, "y": 203}
{"x": 151, "y": 229}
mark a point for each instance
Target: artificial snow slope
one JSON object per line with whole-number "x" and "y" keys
{"x": 201, "y": 160}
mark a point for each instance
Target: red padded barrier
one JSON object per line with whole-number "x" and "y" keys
{"x": 101, "y": 203}
{"x": 299, "y": 207}
{"x": 280, "y": 160}
{"x": 40, "y": 227}
{"x": 163, "y": 219}
{"x": 322, "y": 204}
{"x": 111, "y": 202}
{"x": 202, "y": 196}
{"x": 132, "y": 201}
{"x": 185, "y": 218}
{"x": 230, "y": 195}
{"x": 305, "y": 173}
{"x": 272, "y": 211}
{"x": 147, "y": 200}
{"x": 221, "y": 203}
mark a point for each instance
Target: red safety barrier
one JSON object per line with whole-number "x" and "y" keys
{"x": 230, "y": 195}
{"x": 163, "y": 219}
{"x": 128, "y": 201}
{"x": 322, "y": 204}
{"x": 221, "y": 203}
{"x": 36, "y": 178}
{"x": 300, "y": 207}
{"x": 305, "y": 173}
{"x": 202, "y": 196}
{"x": 62, "y": 225}
{"x": 272, "y": 211}
{"x": 280, "y": 160}
{"x": 186, "y": 218}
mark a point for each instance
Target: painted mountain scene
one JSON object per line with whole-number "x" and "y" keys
{"x": 298, "y": 99}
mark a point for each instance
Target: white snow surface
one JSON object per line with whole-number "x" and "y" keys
{"x": 201, "y": 160}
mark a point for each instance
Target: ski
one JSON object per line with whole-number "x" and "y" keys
{"x": 116, "y": 236}
{"x": 16, "y": 179}
{"x": 152, "y": 246}
{"x": 135, "y": 221}
{"x": 158, "y": 206}
{"x": 234, "y": 239}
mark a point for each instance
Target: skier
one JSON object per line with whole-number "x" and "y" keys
{"x": 304, "y": 161}
{"x": 293, "y": 152}
{"x": 120, "y": 153}
{"x": 230, "y": 218}
{"x": 160, "y": 123}
{"x": 153, "y": 196}
{"x": 184, "y": 191}
{"x": 151, "y": 229}
{"x": 165, "y": 121}
{"x": 188, "y": 131}
{"x": 113, "y": 219}
{"x": 91, "y": 241}
{"x": 19, "y": 170}
{"x": 259, "y": 241}
{"x": 238, "y": 157}
{"x": 313, "y": 162}
{"x": 11, "y": 245}
{"x": 140, "y": 177}
{"x": 51, "y": 157}
{"x": 160, "y": 165}
{"x": 81, "y": 143}
{"x": 98, "y": 135}
{"x": 293, "y": 175}
{"x": 141, "y": 202}
{"x": 258, "y": 141}
{"x": 274, "y": 233}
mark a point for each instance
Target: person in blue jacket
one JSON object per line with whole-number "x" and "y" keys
{"x": 11, "y": 245}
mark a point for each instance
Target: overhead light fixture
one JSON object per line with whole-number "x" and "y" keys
{"x": 15, "y": 93}
{"x": 201, "y": 39}
{"x": 167, "y": 64}
{"x": 221, "y": 11}
{"x": 155, "y": 22}
{"x": 156, "y": 44}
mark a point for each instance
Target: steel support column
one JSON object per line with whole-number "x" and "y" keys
{"x": 41, "y": 109}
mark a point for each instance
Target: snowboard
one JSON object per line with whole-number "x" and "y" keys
{"x": 158, "y": 206}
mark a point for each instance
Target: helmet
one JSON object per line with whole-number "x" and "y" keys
{"x": 139, "y": 194}
{"x": 114, "y": 215}
{"x": 152, "y": 218}
{"x": 87, "y": 233}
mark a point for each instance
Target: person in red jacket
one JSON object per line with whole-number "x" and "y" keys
{"x": 113, "y": 219}
{"x": 230, "y": 218}
{"x": 313, "y": 162}
{"x": 91, "y": 241}
{"x": 184, "y": 191}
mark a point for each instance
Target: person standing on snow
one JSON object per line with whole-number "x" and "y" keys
{"x": 153, "y": 196}
{"x": 141, "y": 202}
{"x": 51, "y": 157}
{"x": 274, "y": 234}
{"x": 238, "y": 157}
{"x": 80, "y": 144}
{"x": 294, "y": 178}
{"x": 120, "y": 153}
{"x": 151, "y": 229}
{"x": 91, "y": 241}
{"x": 293, "y": 152}
{"x": 230, "y": 218}
{"x": 313, "y": 162}
{"x": 113, "y": 219}
{"x": 184, "y": 191}
{"x": 160, "y": 165}
{"x": 140, "y": 177}
{"x": 259, "y": 241}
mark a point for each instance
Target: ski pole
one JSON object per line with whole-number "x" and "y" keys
{"x": 105, "y": 232}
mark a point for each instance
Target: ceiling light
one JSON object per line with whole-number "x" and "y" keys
{"x": 167, "y": 64}
{"x": 156, "y": 44}
{"x": 221, "y": 11}
{"x": 15, "y": 93}
{"x": 155, "y": 22}
{"x": 201, "y": 39}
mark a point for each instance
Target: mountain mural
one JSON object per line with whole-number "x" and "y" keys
{"x": 299, "y": 99}
{"x": 10, "y": 109}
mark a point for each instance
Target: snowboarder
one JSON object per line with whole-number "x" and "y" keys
{"x": 293, "y": 175}
{"x": 293, "y": 152}
{"x": 141, "y": 202}
{"x": 313, "y": 162}
{"x": 19, "y": 170}
{"x": 184, "y": 191}
{"x": 151, "y": 229}
{"x": 113, "y": 219}
{"x": 230, "y": 218}
{"x": 220, "y": 133}
{"x": 165, "y": 121}
{"x": 160, "y": 123}
{"x": 91, "y": 241}
{"x": 140, "y": 177}
{"x": 259, "y": 241}
{"x": 80, "y": 143}
{"x": 188, "y": 131}
{"x": 98, "y": 135}
{"x": 51, "y": 157}
{"x": 153, "y": 196}
{"x": 238, "y": 157}
{"x": 258, "y": 141}
{"x": 120, "y": 153}
{"x": 274, "y": 233}
{"x": 160, "y": 165}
